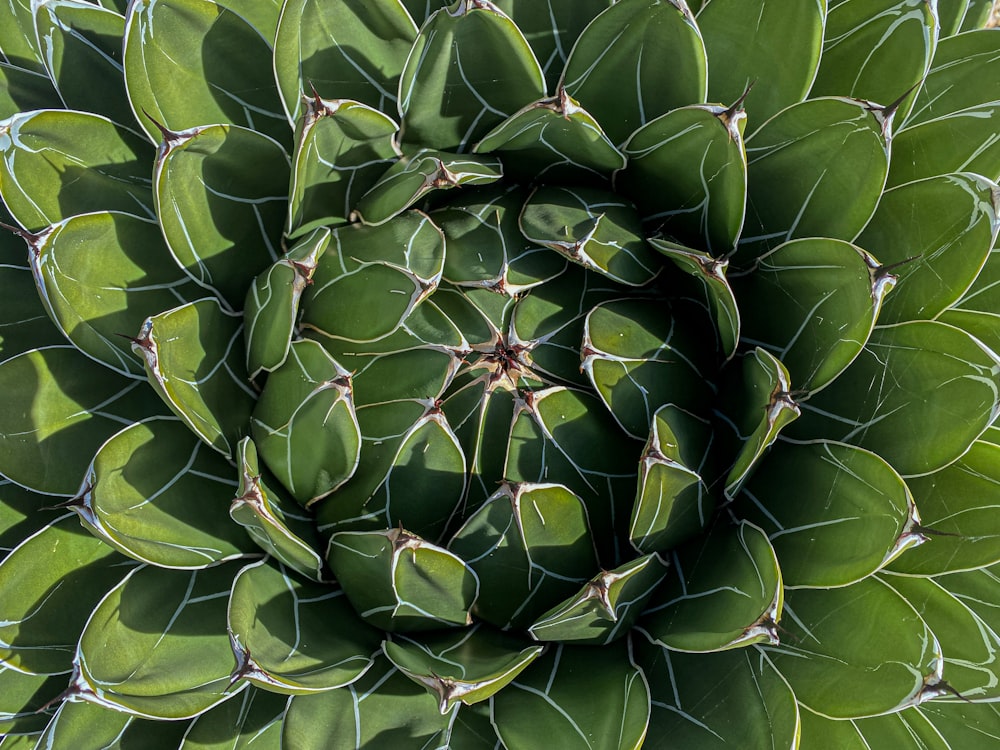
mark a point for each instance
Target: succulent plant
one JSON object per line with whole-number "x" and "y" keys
{"x": 578, "y": 374}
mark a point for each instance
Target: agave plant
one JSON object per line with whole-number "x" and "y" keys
{"x": 578, "y": 374}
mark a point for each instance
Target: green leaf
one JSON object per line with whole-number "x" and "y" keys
{"x": 961, "y": 724}
{"x": 82, "y": 724}
{"x": 280, "y": 629}
{"x": 948, "y": 224}
{"x": 24, "y": 90}
{"x": 82, "y": 49}
{"x": 195, "y": 362}
{"x": 62, "y": 407}
{"x": 24, "y": 321}
{"x": 100, "y": 276}
{"x": 965, "y": 73}
{"x": 221, "y": 200}
{"x": 273, "y": 520}
{"x": 816, "y": 169}
{"x": 984, "y": 294}
{"x": 583, "y": 697}
{"x": 46, "y": 605}
{"x": 616, "y": 67}
{"x": 606, "y": 607}
{"x": 250, "y": 721}
{"x": 812, "y": 303}
{"x": 672, "y": 502}
{"x": 156, "y": 645}
{"x": 965, "y": 141}
{"x": 594, "y": 228}
{"x": 18, "y": 42}
{"x": 22, "y": 514}
{"x": 952, "y": 15}
{"x": 717, "y": 701}
{"x": 468, "y": 666}
{"x": 687, "y": 174}
{"x": 858, "y": 515}
{"x": 784, "y": 71}
{"x": 906, "y": 728}
{"x": 876, "y": 50}
{"x": 725, "y": 592}
{"x": 153, "y": 492}
{"x": 382, "y": 708}
{"x": 309, "y": 392}
{"x": 911, "y": 380}
{"x": 530, "y": 546}
{"x": 23, "y": 705}
{"x": 56, "y": 163}
{"x": 959, "y": 502}
{"x": 843, "y": 663}
{"x": 448, "y": 92}
{"x": 194, "y": 62}
{"x": 345, "y": 50}
{"x": 415, "y": 176}
{"x": 398, "y": 582}
{"x": 342, "y": 148}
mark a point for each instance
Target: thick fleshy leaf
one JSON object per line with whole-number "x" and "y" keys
{"x": 271, "y": 310}
{"x": 398, "y": 582}
{"x": 952, "y": 15}
{"x": 24, "y": 322}
{"x": 816, "y": 169}
{"x": 25, "y": 705}
{"x": 812, "y": 303}
{"x": 965, "y": 73}
{"x": 250, "y": 721}
{"x": 963, "y": 724}
{"x": 960, "y": 502}
{"x": 583, "y": 697}
{"x": 724, "y": 592}
{"x": 553, "y": 139}
{"x": 911, "y": 380}
{"x": 18, "y": 43}
{"x": 448, "y": 92}
{"x": 843, "y": 663}
{"x": 57, "y": 163}
{"x": 195, "y": 361}
{"x": 907, "y": 728}
{"x": 342, "y": 148}
{"x": 273, "y": 520}
{"x": 784, "y": 71}
{"x": 717, "y": 701}
{"x": 345, "y": 50}
{"x": 616, "y": 68}
{"x": 984, "y": 294}
{"x": 81, "y": 724}
{"x": 156, "y": 645}
{"x": 530, "y": 546}
{"x": 383, "y": 707}
{"x": 194, "y": 62}
{"x": 156, "y": 493}
{"x": 940, "y": 230}
{"x": 24, "y": 90}
{"x": 606, "y": 607}
{"x": 594, "y": 228}
{"x": 280, "y": 628}
{"x": 221, "y": 200}
{"x": 848, "y": 515}
{"x": 468, "y": 666}
{"x": 426, "y": 171}
{"x": 81, "y": 45}
{"x": 687, "y": 174}
{"x": 672, "y": 502}
{"x": 638, "y": 355}
{"x": 46, "y": 606}
{"x": 309, "y": 398}
{"x": 100, "y": 276}
{"x": 63, "y": 407}
{"x": 876, "y": 50}
{"x": 965, "y": 141}
{"x": 22, "y": 514}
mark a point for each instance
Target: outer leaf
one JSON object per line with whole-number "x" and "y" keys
{"x": 280, "y": 629}
{"x": 907, "y": 728}
{"x": 24, "y": 710}
{"x": 250, "y": 721}
{"x": 965, "y": 141}
{"x": 911, "y": 380}
{"x": 18, "y": 43}
{"x": 55, "y": 164}
{"x": 961, "y": 724}
{"x": 194, "y": 62}
{"x": 964, "y": 74}
{"x": 24, "y": 322}
{"x": 24, "y": 90}
{"x": 785, "y": 71}
{"x": 584, "y": 697}
{"x": 448, "y": 98}
{"x": 636, "y": 41}
{"x": 843, "y": 663}
{"x": 45, "y": 606}
{"x": 220, "y": 198}
{"x": 21, "y": 515}
{"x": 725, "y": 592}
{"x": 156, "y": 645}
{"x": 82, "y": 724}
{"x": 345, "y": 50}
{"x": 65, "y": 407}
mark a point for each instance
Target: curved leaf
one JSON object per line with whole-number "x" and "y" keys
{"x": 965, "y": 73}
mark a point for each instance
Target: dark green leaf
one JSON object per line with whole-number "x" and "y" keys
{"x": 24, "y": 90}
{"x": 965, "y": 73}
{"x": 80, "y": 724}
{"x": 250, "y": 721}
{"x": 965, "y": 141}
